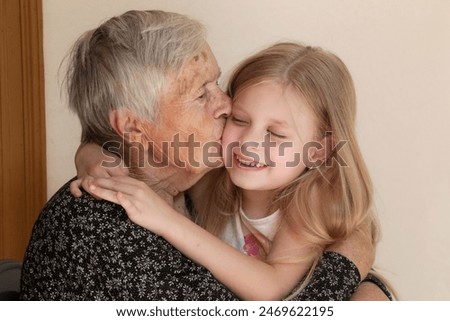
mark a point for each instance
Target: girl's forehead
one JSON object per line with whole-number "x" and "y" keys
{"x": 271, "y": 94}
{"x": 277, "y": 104}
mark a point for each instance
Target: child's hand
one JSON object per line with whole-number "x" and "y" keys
{"x": 143, "y": 206}
{"x": 89, "y": 161}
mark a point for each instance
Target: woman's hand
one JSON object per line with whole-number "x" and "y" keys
{"x": 143, "y": 206}
{"x": 92, "y": 161}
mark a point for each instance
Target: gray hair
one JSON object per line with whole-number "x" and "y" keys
{"x": 124, "y": 63}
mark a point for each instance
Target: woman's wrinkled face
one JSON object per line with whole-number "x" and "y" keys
{"x": 191, "y": 116}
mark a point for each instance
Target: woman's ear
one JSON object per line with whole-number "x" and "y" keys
{"x": 126, "y": 125}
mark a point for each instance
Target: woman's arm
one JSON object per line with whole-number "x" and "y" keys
{"x": 248, "y": 278}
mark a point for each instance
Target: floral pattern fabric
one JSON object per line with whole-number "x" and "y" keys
{"x": 87, "y": 249}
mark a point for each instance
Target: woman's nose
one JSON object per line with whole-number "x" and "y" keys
{"x": 222, "y": 107}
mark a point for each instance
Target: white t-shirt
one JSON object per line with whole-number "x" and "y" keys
{"x": 233, "y": 233}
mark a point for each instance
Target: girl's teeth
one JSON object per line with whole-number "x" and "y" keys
{"x": 251, "y": 164}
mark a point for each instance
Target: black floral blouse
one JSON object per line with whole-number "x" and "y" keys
{"x": 86, "y": 249}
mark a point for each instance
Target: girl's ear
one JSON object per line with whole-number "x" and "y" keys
{"x": 126, "y": 125}
{"x": 319, "y": 155}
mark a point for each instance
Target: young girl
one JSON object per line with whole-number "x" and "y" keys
{"x": 294, "y": 183}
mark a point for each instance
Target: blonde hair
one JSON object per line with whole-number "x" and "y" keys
{"x": 334, "y": 199}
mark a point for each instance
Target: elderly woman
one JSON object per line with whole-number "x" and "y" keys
{"x": 144, "y": 86}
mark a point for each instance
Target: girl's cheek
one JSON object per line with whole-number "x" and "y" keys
{"x": 283, "y": 154}
{"x": 230, "y": 141}
{"x": 229, "y": 133}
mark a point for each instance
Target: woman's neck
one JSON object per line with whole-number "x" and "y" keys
{"x": 166, "y": 182}
{"x": 255, "y": 204}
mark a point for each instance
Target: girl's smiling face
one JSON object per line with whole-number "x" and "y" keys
{"x": 264, "y": 138}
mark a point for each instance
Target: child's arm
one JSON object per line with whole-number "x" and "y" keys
{"x": 93, "y": 161}
{"x": 248, "y": 278}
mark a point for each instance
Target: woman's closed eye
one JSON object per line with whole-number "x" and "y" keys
{"x": 202, "y": 95}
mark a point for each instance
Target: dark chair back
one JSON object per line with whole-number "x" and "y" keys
{"x": 10, "y": 280}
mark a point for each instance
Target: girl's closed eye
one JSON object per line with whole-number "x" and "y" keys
{"x": 277, "y": 132}
{"x": 238, "y": 121}
{"x": 278, "y": 135}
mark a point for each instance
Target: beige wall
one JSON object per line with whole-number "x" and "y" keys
{"x": 399, "y": 55}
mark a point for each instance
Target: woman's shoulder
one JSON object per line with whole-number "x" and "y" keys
{"x": 335, "y": 278}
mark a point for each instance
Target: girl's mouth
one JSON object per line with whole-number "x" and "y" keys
{"x": 248, "y": 163}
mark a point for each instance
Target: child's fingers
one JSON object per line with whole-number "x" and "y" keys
{"x": 116, "y": 184}
{"x": 126, "y": 203}
{"x": 104, "y": 193}
{"x": 75, "y": 188}
{"x": 128, "y": 186}
{"x": 86, "y": 182}
{"x": 83, "y": 182}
